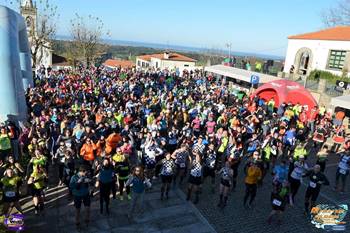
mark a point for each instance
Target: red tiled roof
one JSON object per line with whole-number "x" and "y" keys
{"x": 119, "y": 63}
{"x": 172, "y": 57}
{"x": 341, "y": 33}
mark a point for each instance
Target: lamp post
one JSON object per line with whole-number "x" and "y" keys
{"x": 229, "y": 45}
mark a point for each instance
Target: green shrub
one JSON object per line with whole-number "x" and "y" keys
{"x": 330, "y": 77}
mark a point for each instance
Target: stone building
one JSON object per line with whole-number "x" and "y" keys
{"x": 327, "y": 50}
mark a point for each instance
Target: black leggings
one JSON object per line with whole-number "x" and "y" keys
{"x": 294, "y": 186}
{"x": 250, "y": 191}
{"x": 121, "y": 187}
{"x": 105, "y": 191}
{"x": 60, "y": 171}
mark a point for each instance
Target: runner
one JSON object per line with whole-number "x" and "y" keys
{"x": 167, "y": 174}
{"x": 317, "y": 179}
{"x": 122, "y": 169}
{"x": 279, "y": 199}
{"x": 195, "y": 178}
{"x": 209, "y": 165}
{"x": 342, "y": 172}
{"x": 105, "y": 181}
{"x": 181, "y": 159}
{"x": 9, "y": 185}
{"x": 253, "y": 175}
{"x": 80, "y": 186}
{"x": 37, "y": 183}
{"x": 139, "y": 184}
{"x": 226, "y": 175}
{"x": 300, "y": 168}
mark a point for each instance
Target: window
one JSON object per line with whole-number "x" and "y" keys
{"x": 156, "y": 64}
{"x": 336, "y": 59}
{"x": 186, "y": 65}
{"x": 138, "y": 63}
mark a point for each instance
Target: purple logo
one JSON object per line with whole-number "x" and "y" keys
{"x": 14, "y": 222}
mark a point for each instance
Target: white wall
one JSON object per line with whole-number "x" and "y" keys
{"x": 141, "y": 60}
{"x": 178, "y": 64}
{"x": 169, "y": 64}
{"x": 320, "y": 52}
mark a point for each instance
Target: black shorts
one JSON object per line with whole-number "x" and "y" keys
{"x": 207, "y": 171}
{"x": 195, "y": 180}
{"x": 225, "y": 183}
{"x": 178, "y": 167}
{"x": 278, "y": 208}
{"x": 82, "y": 199}
{"x": 150, "y": 166}
{"x": 37, "y": 192}
{"x": 10, "y": 199}
{"x": 313, "y": 193}
{"x": 167, "y": 178}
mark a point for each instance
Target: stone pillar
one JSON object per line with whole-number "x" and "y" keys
{"x": 322, "y": 86}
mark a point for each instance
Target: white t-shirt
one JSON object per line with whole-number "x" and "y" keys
{"x": 299, "y": 170}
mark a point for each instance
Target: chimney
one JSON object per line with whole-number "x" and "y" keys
{"x": 166, "y": 55}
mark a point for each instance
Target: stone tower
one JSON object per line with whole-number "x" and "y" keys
{"x": 29, "y": 13}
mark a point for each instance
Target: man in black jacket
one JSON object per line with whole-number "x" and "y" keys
{"x": 317, "y": 179}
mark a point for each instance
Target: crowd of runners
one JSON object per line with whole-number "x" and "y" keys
{"x": 119, "y": 131}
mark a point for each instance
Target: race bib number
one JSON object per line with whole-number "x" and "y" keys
{"x": 10, "y": 194}
{"x": 342, "y": 171}
{"x": 312, "y": 184}
{"x": 276, "y": 202}
{"x": 182, "y": 165}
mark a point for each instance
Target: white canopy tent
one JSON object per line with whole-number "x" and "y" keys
{"x": 341, "y": 101}
{"x": 239, "y": 74}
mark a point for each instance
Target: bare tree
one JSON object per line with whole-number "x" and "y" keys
{"x": 45, "y": 30}
{"x": 87, "y": 33}
{"x": 337, "y": 15}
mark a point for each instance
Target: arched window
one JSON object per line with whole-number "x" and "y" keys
{"x": 304, "y": 62}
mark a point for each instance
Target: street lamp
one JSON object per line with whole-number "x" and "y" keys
{"x": 229, "y": 45}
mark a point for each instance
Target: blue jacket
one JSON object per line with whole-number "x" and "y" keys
{"x": 78, "y": 190}
{"x": 106, "y": 175}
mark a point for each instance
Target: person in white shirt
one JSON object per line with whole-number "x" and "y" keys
{"x": 342, "y": 172}
{"x": 300, "y": 168}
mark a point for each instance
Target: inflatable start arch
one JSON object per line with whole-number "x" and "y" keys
{"x": 15, "y": 66}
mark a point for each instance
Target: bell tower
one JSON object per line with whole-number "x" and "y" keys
{"x": 29, "y": 13}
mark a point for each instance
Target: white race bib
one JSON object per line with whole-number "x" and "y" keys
{"x": 312, "y": 184}
{"x": 10, "y": 194}
{"x": 342, "y": 171}
{"x": 276, "y": 202}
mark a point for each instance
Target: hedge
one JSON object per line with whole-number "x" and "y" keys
{"x": 330, "y": 77}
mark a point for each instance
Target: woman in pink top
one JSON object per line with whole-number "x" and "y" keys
{"x": 196, "y": 125}
{"x": 210, "y": 127}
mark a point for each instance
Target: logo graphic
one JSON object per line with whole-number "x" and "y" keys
{"x": 329, "y": 217}
{"x": 14, "y": 222}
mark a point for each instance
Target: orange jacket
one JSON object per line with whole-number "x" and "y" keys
{"x": 87, "y": 151}
{"x": 112, "y": 142}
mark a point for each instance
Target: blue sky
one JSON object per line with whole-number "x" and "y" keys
{"x": 259, "y": 26}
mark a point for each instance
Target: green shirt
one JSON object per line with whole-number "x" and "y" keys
{"x": 10, "y": 183}
{"x": 39, "y": 161}
{"x": 5, "y": 142}
{"x": 38, "y": 180}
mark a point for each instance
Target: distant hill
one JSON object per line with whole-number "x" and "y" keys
{"x": 128, "y": 50}
{"x": 180, "y": 48}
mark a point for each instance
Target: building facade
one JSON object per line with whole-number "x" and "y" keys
{"x": 29, "y": 12}
{"x": 166, "y": 60}
{"x": 327, "y": 50}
